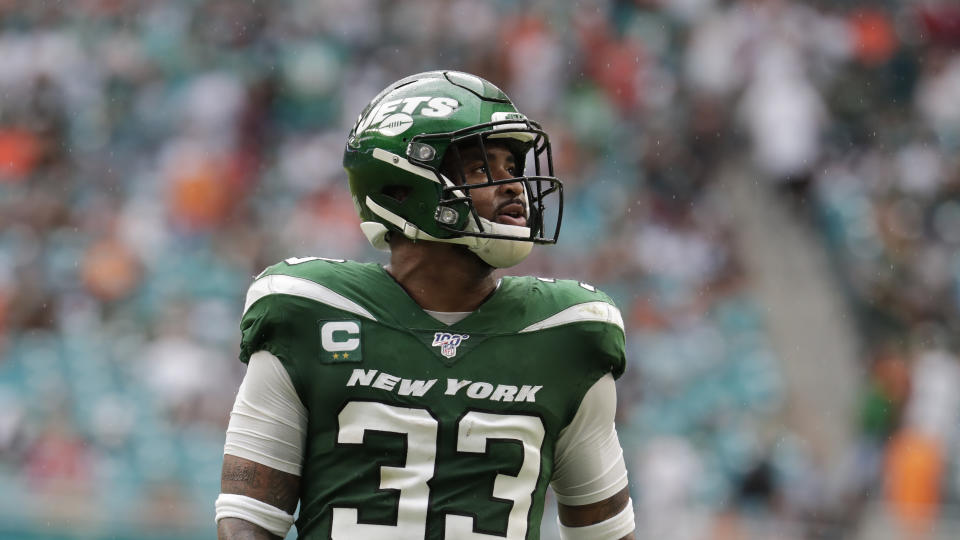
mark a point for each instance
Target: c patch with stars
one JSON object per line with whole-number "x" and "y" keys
{"x": 340, "y": 342}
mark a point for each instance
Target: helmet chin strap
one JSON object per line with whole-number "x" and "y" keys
{"x": 497, "y": 252}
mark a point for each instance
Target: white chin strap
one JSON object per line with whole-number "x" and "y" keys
{"x": 497, "y": 252}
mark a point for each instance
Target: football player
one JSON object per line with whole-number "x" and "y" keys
{"x": 427, "y": 398}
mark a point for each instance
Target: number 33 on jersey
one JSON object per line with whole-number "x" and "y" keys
{"x": 418, "y": 429}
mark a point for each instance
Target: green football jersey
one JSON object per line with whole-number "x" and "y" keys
{"x": 417, "y": 429}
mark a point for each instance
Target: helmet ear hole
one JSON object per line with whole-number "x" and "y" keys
{"x": 397, "y": 193}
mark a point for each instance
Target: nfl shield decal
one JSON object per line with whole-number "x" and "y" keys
{"x": 448, "y": 342}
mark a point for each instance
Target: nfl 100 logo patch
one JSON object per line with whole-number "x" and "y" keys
{"x": 448, "y": 342}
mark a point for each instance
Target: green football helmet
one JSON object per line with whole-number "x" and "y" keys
{"x": 394, "y": 154}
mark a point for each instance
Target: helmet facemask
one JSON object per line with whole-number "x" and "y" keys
{"x": 456, "y": 211}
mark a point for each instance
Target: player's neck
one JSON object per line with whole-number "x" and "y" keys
{"x": 441, "y": 277}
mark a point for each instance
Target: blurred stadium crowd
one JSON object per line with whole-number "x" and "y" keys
{"x": 154, "y": 156}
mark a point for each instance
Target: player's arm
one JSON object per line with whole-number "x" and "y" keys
{"x": 260, "y": 481}
{"x": 276, "y": 491}
{"x": 590, "y": 477}
{"x": 574, "y": 517}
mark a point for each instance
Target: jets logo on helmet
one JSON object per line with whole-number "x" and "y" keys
{"x": 396, "y": 150}
{"x": 395, "y": 124}
{"x": 393, "y": 117}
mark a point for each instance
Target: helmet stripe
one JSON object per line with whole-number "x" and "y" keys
{"x": 403, "y": 163}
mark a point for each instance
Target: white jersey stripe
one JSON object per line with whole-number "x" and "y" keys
{"x": 589, "y": 311}
{"x": 304, "y": 288}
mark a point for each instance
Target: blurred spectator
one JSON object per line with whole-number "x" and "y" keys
{"x": 185, "y": 375}
{"x": 934, "y": 404}
{"x": 58, "y": 467}
{"x": 937, "y": 92}
{"x": 914, "y": 468}
{"x": 916, "y": 455}
{"x": 19, "y": 153}
{"x": 873, "y": 36}
{"x": 13, "y": 435}
{"x": 669, "y": 510}
{"x": 778, "y": 96}
{"x": 110, "y": 270}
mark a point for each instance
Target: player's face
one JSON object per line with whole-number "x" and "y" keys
{"x": 503, "y": 203}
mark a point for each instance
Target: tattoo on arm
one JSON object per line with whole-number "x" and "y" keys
{"x": 588, "y": 514}
{"x": 237, "y": 472}
{"x": 245, "y": 477}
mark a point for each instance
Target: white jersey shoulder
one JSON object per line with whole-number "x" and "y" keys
{"x": 291, "y": 281}
{"x": 574, "y": 302}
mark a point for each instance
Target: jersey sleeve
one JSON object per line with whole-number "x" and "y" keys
{"x": 268, "y": 422}
{"x": 273, "y": 322}
{"x": 611, "y": 341}
{"x": 261, "y": 321}
{"x": 608, "y": 337}
{"x": 259, "y": 329}
{"x": 589, "y": 465}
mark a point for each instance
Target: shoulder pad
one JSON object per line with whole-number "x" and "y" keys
{"x": 564, "y": 301}
{"x": 305, "y": 267}
{"x": 587, "y": 314}
{"x": 315, "y": 278}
